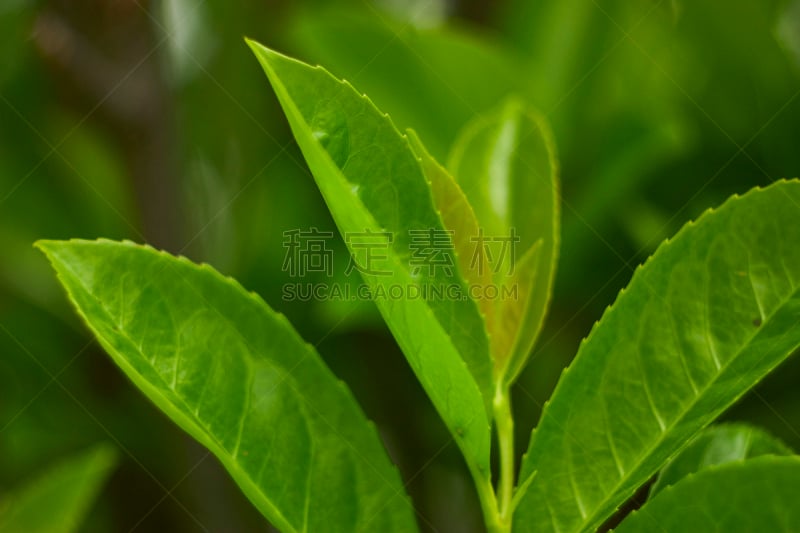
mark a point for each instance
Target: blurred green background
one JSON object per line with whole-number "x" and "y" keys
{"x": 151, "y": 121}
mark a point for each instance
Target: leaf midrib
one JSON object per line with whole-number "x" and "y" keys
{"x": 180, "y": 408}
{"x": 703, "y": 391}
{"x": 341, "y": 180}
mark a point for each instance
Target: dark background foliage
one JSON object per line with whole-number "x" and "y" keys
{"x": 151, "y": 121}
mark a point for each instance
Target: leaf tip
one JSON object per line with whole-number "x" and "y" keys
{"x": 44, "y": 245}
{"x": 259, "y": 48}
{"x": 51, "y": 247}
{"x": 269, "y": 58}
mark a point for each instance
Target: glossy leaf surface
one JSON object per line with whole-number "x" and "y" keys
{"x": 236, "y": 376}
{"x": 374, "y": 183}
{"x": 706, "y": 318}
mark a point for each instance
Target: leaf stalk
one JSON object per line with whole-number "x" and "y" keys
{"x": 504, "y": 422}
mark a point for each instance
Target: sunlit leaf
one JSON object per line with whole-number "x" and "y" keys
{"x": 706, "y": 318}
{"x": 373, "y": 182}
{"x": 234, "y": 374}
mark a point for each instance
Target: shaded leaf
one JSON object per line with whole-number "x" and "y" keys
{"x": 719, "y": 445}
{"x": 505, "y": 164}
{"x": 706, "y": 318}
{"x": 58, "y": 500}
{"x": 234, "y": 374}
{"x": 756, "y": 495}
{"x": 459, "y": 218}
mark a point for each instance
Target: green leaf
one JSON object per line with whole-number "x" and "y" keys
{"x": 756, "y": 495}
{"x": 719, "y": 445}
{"x": 234, "y": 374}
{"x": 58, "y": 500}
{"x": 373, "y": 182}
{"x": 459, "y": 217}
{"x": 506, "y": 165}
{"x": 706, "y": 318}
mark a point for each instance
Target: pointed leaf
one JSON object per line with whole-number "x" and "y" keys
{"x": 707, "y": 317}
{"x": 373, "y": 182}
{"x": 505, "y": 164}
{"x": 236, "y": 376}
{"x": 58, "y": 500}
{"x": 443, "y": 69}
{"x": 756, "y": 495}
{"x": 719, "y": 445}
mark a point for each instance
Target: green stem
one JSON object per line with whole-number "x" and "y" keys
{"x": 504, "y": 421}
{"x": 488, "y": 500}
{"x": 497, "y": 504}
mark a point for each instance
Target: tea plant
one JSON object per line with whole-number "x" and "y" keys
{"x": 713, "y": 311}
